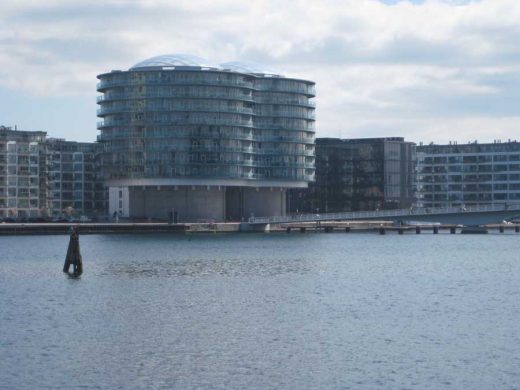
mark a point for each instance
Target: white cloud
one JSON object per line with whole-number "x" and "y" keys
{"x": 403, "y": 69}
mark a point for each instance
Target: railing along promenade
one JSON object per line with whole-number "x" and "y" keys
{"x": 385, "y": 214}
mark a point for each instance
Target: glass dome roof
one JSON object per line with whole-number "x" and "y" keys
{"x": 173, "y": 60}
{"x": 249, "y": 67}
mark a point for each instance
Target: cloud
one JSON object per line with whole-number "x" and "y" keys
{"x": 381, "y": 67}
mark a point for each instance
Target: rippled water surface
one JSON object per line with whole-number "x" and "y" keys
{"x": 262, "y": 311}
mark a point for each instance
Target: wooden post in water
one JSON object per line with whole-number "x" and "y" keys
{"x": 73, "y": 255}
{"x": 453, "y": 230}
{"x": 517, "y": 229}
{"x": 501, "y": 229}
{"x": 417, "y": 230}
{"x": 435, "y": 230}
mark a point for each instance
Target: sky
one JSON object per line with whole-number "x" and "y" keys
{"x": 427, "y": 70}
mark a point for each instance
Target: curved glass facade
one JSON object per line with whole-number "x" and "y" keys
{"x": 179, "y": 119}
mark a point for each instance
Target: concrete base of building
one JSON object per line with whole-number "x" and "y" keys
{"x": 197, "y": 203}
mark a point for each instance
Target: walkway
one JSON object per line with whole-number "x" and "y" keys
{"x": 474, "y": 215}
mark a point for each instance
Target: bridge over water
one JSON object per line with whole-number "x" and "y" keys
{"x": 469, "y": 216}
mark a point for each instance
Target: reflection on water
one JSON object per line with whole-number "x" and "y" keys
{"x": 261, "y": 311}
{"x": 230, "y": 267}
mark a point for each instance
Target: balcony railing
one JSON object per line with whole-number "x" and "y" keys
{"x": 174, "y": 95}
{"x": 188, "y": 109}
{"x": 220, "y": 83}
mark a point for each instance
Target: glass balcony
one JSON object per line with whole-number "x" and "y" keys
{"x": 179, "y": 108}
{"x": 129, "y": 96}
{"x": 208, "y": 123}
{"x": 105, "y": 84}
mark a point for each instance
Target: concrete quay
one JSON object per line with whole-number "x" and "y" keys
{"x": 89, "y": 228}
{"x": 381, "y": 227}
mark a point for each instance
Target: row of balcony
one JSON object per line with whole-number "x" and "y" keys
{"x": 218, "y": 122}
{"x": 215, "y": 149}
{"x": 248, "y": 176}
{"x": 134, "y": 95}
{"x": 148, "y": 96}
{"x": 198, "y": 109}
{"x": 458, "y": 179}
{"x": 20, "y": 195}
{"x": 210, "y": 162}
{"x": 302, "y": 88}
{"x": 473, "y": 159}
{"x": 467, "y": 189}
{"x": 196, "y": 121}
{"x": 464, "y": 168}
{"x": 173, "y": 136}
{"x": 186, "y": 109}
{"x": 469, "y": 198}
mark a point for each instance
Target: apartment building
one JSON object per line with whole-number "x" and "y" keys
{"x": 218, "y": 141}
{"x": 42, "y": 176}
{"x": 468, "y": 174}
{"x": 22, "y": 180}
{"x": 359, "y": 174}
{"x": 75, "y": 183}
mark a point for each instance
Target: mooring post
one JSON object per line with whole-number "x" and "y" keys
{"x": 288, "y": 229}
{"x": 517, "y": 229}
{"x": 382, "y": 230}
{"x": 435, "y": 230}
{"x": 453, "y": 230}
{"x": 302, "y": 229}
{"x": 347, "y": 229}
{"x": 501, "y": 229}
{"x": 417, "y": 230}
{"x": 400, "y": 230}
{"x": 73, "y": 255}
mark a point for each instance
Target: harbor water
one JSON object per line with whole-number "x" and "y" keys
{"x": 262, "y": 311}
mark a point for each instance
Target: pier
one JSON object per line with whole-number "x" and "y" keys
{"x": 384, "y": 227}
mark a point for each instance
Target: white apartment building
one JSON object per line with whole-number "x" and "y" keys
{"x": 468, "y": 174}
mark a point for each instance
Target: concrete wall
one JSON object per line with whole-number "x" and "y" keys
{"x": 195, "y": 203}
{"x": 118, "y": 201}
{"x": 191, "y": 203}
{"x": 241, "y": 202}
{"x": 263, "y": 202}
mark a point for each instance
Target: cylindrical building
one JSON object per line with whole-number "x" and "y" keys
{"x": 206, "y": 141}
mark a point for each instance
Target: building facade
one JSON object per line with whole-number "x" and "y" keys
{"x": 74, "y": 180}
{"x": 23, "y": 186}
{"x": 468, "y": 174}
{"x": 42, "y": 176}
{"x": 359, "y": 174}
{"x": 209, "y": 141}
